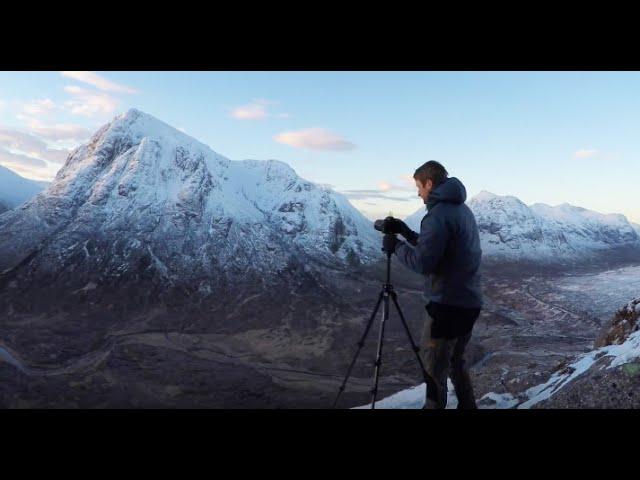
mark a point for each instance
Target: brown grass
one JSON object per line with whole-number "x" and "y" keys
{"x": 624, "y": 322}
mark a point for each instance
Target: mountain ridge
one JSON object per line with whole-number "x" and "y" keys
{"x": 141, "y": 177}
{"x": 512, "y": 231}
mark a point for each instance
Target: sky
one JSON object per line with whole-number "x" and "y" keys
{"x": 544, "y": 137}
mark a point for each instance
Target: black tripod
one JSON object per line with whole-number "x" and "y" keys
{"x": 386, "y": 293}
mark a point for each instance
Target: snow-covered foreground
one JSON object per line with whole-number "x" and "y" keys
{"x": 413, "y": 398}
{"x": 619, "y": 354}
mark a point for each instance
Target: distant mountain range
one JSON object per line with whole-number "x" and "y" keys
{"x": 511, "y": 231}
{"x": 15, "y": 190}
{"x": 187, "y": 210}
{"x": 162, "y": 192}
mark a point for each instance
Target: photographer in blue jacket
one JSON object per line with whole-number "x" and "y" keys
{"x": 447, "y": 252}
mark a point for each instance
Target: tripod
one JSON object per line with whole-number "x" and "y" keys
{"x": 386, "y": 293}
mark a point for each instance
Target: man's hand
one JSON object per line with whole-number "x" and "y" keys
{"x": 404, "y": 230}
{"x": 389, "y": 243}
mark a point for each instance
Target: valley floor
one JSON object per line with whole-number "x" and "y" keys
{"x": 531, "y": 326}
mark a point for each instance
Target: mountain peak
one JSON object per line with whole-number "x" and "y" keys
{"x": 134, "y": 112}
{"x": 142, "y": 134}
{"x": 143, "y": 124}
{"x": 484, "y": 195}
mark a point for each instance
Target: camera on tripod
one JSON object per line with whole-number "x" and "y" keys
{"x": 389, "y": 225}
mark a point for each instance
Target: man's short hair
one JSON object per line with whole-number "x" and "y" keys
{"x": 433, "y": 171}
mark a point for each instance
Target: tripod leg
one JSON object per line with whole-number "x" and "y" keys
{"x": 385, "y": 316}
{"x": 360, "y": 345}
{"x": 430, "y": 382}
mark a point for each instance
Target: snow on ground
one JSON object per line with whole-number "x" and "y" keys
{"x": 411, "y": 398}
{"x": 626, "y": 352}
{"x": 621, "y": 354}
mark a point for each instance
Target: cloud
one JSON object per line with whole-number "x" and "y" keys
{"x": 360, "y": 194}
{"x": 585, "y": 153}
{"x": 26, "y": 166}
{"x": 407, "y": 185}
{"x": 315, "y": 139}
{"x": 408, "y": 180}
{"x": 58, "y": 131}
{"x": 89, "y": 102}
{"x": 101, "y": 83}
{"x": 39, "y": 107}
{"x": 34, "y": 148}
{"x": 20, "y": 140}
{"x": 19, "y": 161}
{"x": 383, "y": 188}
{"x": 256, "y": 110}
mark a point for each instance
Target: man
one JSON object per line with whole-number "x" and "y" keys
{"x": 447, "y": 252}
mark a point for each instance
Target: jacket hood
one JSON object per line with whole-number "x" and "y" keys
{"x": 451, "y": 190}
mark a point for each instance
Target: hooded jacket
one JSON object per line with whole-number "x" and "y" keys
{"x": 447, "y": 250}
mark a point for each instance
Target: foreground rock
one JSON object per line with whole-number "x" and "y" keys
{"x": 608, "y": 377}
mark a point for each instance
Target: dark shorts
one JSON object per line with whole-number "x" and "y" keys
{"x": 451, "y": 322}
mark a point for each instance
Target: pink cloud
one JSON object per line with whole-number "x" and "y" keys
{"x": 101, "y": 83}
{"x": 315, "y": 139}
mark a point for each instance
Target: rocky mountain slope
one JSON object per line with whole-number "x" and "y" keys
{"x": 607, "y": 377}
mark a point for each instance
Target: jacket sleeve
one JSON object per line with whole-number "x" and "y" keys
{"x": 430, "y": 247}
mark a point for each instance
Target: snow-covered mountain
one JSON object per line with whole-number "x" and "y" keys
{"x": 15, "y": 189}
{"x": 143, "y": 197}
{"x": 511, "y": 230}
{"x": 221, "y": 274}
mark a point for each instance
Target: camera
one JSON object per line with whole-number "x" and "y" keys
{"x": 389, "y": 225}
